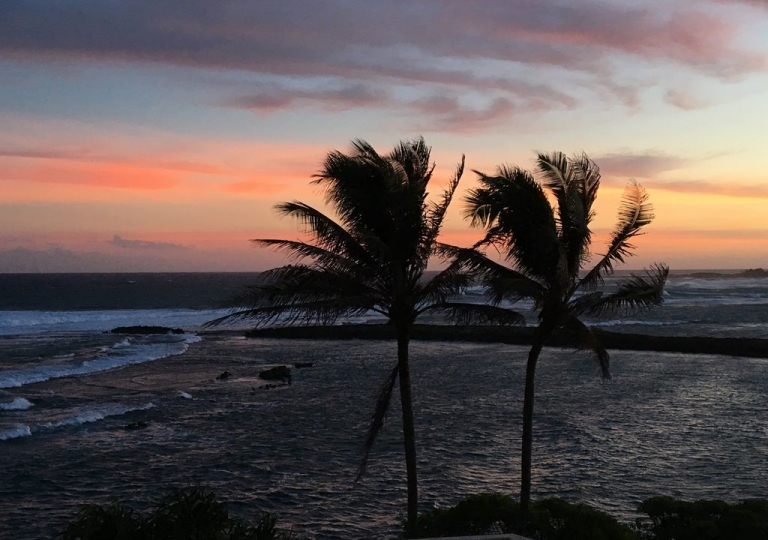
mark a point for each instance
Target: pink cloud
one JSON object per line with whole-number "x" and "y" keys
{"x": 442, "y": 46}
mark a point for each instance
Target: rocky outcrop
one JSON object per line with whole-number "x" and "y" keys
{"x": 755, "y": 272}
{"x": 144, "y": 330}
{"x": 750, "y": 347}
{"x": 279, "y": 373}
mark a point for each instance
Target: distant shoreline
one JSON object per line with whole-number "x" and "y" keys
{"x": 747, "y": 347}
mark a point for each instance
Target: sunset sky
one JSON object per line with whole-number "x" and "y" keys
{"x": 152, "y": 135}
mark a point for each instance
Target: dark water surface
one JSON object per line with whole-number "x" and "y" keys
{"x": 77, "y": 292}
{"x": 687, "y": 426}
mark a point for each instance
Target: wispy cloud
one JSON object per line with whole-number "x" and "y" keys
{"x": 121, "y": 242}
{"x": 683, "y": 100}
{"x": 274, "y": 97}
{"x": 704, "y": 187}
{"x": 638, "y": 164}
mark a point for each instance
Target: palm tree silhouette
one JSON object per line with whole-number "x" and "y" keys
{"x": 548, "y": 246}
{"x": 372, "y": 259}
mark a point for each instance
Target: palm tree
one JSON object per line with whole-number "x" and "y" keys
{"x": 372, "y": 258}
{"x": 548, "y": 246}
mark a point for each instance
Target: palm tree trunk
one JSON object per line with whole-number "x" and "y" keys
{"x": 409, "y": 436}
{"x": 530, "y": 374}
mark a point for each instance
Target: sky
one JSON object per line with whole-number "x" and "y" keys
{"x": 157, "y": 136}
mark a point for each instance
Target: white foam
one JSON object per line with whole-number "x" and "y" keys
{"x": 122, "y": 344}
{"x": 15, "y": 433}
{"x": 185, "y": 395}
{"x": 94, "y": 414}
{"x": 136, "y": 354}
{"x": 17, "y": 404}
{"x": 714, "y": 284}
{"x": 638, "y": 323}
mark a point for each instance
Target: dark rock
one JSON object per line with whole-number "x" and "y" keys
{"x": 279, "y": 373}
{"x": 755, "y": 272}
{"x": 223, "y": 376}
{"x": 144, "y": 330}
{"x": 133, "y": 426}
{"x": 749, "y": 347}
{"x": 299, "y": 365}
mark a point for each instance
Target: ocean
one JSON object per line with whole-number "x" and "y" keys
{"x": 690, "y": 426}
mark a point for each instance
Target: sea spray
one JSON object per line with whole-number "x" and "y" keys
{"x": 17, "y": 404}
{"x": 15, "y": 433}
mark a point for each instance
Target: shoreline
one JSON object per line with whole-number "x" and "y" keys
{"x": 745, "y": 347}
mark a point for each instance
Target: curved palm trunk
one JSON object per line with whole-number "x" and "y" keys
{"x": 530, "y": 375}
{"x": 409, "y": 436}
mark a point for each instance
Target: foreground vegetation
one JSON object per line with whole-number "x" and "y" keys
{"x": 556, "y": 519}
{"x": 196, "y": 514}
{"x": 187, "y": 514}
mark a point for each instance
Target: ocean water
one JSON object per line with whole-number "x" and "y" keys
{"x": 685, "y": 425}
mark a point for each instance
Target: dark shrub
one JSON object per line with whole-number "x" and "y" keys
{"x": 549, "y": 519}
{"x": 556, "y": 519}
{"x": 671, "y": 519}
{"x": 477, "y": 514}
{"x": 112, "y": 522}
{"x": 186, "y": 514}
{"x": 190, "y": 514}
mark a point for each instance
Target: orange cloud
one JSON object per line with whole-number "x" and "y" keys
{"x": 113, "y": 175}
{"x": 174, "y": 169}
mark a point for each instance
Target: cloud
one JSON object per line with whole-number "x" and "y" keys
{"x": 758, "y": 3}
{"x": 703, "y": 187}
{"x": 683, "y": 100}
{"x": 275, "y": 97}
{"x": 255, "y": 187}
{"x": 642, "y": 165}
{"x": 121, "y": 242}
{"x": 435, "y": 112}
{"x": 448, "y": 113}
{"x": 537, "y": 54}
{"x": 43, "y": 153}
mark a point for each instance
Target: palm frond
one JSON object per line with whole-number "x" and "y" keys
{"x": 448, "y": 282}
{"x": 359, "y": 187}
{"x": 502, "y": 282}
{"x": 436, "y": 211}
{"x": 464, "y": 313}
{"x": 326, "y": 233}
{"x": 298, "y": 251}
{"x": 557, "y": 175}
{"x": 578, "y": 305}
{"x": 639, "y": 292}
{"x": 588, "y": 341}
{"x": 377, "y": 419}
{"x": 452, "y": 279}
{"x": 574, "y": 183}
{"x": 301, "y": 294}
{"x": 514, "y": 205}
{"x": 321, "y": 312}
{"x": 589, "y": 175}
{"x": 586, "y": 184}
{"x": 635, "y": 212}
{"x": 413, "y": 157}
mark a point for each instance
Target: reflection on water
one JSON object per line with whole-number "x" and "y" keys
{"x": 688, "y": 426}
